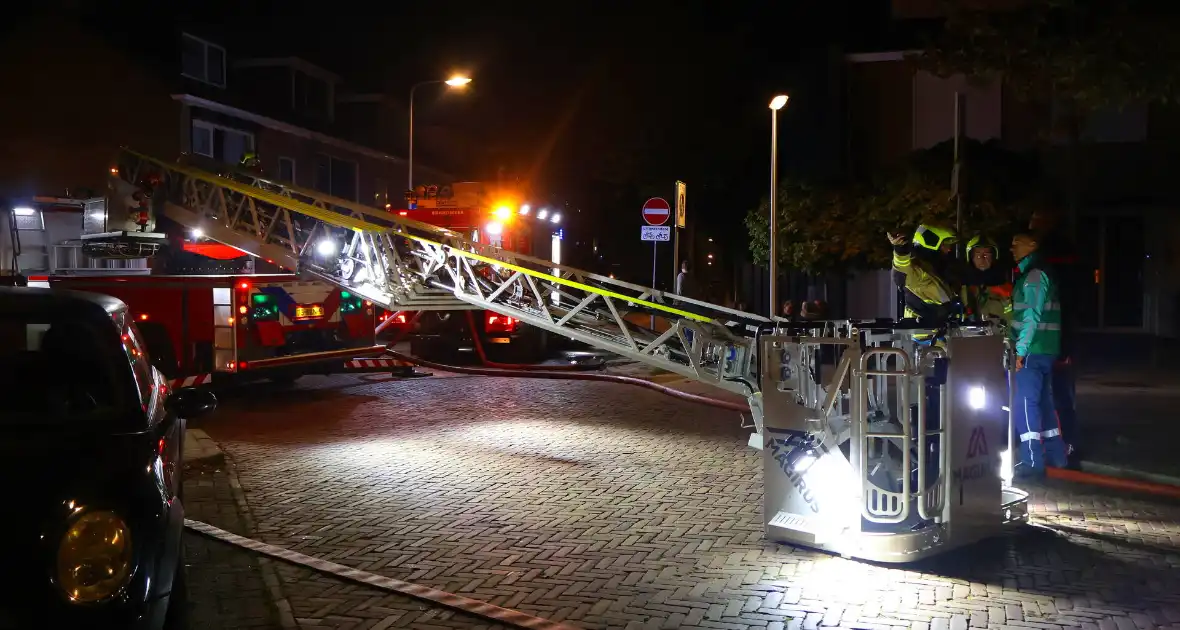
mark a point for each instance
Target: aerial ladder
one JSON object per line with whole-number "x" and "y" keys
{"x": 873, "y": 446}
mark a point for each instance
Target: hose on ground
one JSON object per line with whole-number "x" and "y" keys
{"x": 1115, "y": 483}
{"x": 555, "y": 375}
{"x": 483, "y": 357}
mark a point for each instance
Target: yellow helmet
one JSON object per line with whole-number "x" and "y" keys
{"x": 934, "y": 237}
{"x": 981, "y": 241}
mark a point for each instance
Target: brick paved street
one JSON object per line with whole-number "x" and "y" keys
{"x": 610, "y": 506}
{"x": 236, "y": 589}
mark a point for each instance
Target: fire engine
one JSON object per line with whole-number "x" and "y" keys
{"x": 873, "y": 446}
{"x": 208, "y": 318}
{"x": 496, "y": 216}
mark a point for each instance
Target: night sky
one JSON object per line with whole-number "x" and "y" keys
{"x": 597, "y": 104}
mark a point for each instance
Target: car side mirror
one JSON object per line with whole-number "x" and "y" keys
{"x": 189, "y": 403}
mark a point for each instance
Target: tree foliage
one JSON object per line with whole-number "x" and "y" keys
{"x": 1084, "y": 54}
{"x": 829, "y": 226}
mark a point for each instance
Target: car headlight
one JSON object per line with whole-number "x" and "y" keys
{"x": 94, "y": 557}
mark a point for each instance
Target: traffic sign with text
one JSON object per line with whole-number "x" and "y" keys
{"x": 655, "y": 233}
{"x": 656, "y": 211}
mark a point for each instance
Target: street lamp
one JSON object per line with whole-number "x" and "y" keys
{"x": 776, "y": 104}
{"x": 457, "y": 81}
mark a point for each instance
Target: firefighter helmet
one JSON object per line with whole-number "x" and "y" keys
{"x": 981, "y": 241}
{"x": 934, "y": 237}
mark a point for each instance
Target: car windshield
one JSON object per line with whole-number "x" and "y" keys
{"x": 57, "y": 371}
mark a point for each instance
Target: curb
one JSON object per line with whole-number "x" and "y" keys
{"x": 198, "y": 446}
{"x": 205, "y": 449}
{"x": 1125, "y": 472}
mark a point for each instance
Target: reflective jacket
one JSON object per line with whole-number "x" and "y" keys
{"x": 986, "y": 302}
{"x": 1036, "y": 311}
{"x": 928, "y": 296}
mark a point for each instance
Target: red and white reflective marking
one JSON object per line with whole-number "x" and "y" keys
{"x": 376, "y": 363}
{"x": 39, "y": 281}
{"x": 192, "y": 381}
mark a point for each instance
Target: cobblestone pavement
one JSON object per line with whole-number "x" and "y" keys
{"x": 235, "y": 589}
{"x": 610, "y": 506}
{"x": 226, "y": 587}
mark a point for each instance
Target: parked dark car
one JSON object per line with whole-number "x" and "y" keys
{"x": 91, "y": 460}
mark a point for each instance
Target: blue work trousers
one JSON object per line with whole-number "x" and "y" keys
{"x": 1034, "y": 417}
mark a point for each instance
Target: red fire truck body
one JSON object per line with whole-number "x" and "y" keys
{"x": 218, "y": 329}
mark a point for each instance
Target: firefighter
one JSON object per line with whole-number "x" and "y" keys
{"x": 922, "y": 269}
{"x": 251, "y": 162}
{"x": 1036, "y": 334}
{"x": 986, "y": 293}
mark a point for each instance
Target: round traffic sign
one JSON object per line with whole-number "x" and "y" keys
{"x": 656, "y": 211}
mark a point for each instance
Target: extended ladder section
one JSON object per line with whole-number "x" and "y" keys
{"x": 873, "y": 445}
{"x": 401, "y": 264}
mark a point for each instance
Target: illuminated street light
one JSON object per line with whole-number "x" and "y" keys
{"x": 556, "y": 217}
{"x": 776, "y": 104}
{"x": 524, "y": 209}
{"x": 197, "y": 234}
{"x": 543, "y": 214}
{"x": 456, "y": 81}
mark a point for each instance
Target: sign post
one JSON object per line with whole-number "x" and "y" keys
{"x": 656, "y": 213}
{"x": 680, "y": 188}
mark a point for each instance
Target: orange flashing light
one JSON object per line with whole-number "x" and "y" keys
{"x": 143, "y": 317}
{"x": 242, "y": 310}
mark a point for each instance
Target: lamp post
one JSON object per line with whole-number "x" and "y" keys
{"x": 776, "y": 104}
{"x": 456, "y": 81}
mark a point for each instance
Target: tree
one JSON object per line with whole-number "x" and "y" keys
{"x": 838, "y": 226}
{"x": 1085, "y": 55}
{"x": 1074, "y": 57}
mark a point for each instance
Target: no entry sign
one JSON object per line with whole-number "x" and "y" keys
{"x": 656, "y": 211}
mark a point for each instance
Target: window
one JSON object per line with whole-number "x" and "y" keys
{"x": 140, "y": 367}
{"x": 287, "y": 169}
{"x": 202, "y": 140}
{"x": 221, "y": 143}
{"x": 336, "y": 177}
{"x": 202, "y": 60}
{"x": 29, "y": 219}
{"x": 380, "y": 193}
{"x": 63, "y": 368}
{"x": 311, "y": 96}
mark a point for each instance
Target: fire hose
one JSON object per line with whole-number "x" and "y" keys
{"x": 483, "y": 357}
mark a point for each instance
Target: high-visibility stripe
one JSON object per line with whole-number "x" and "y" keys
{"x": 1018, "y": 324}
{"x": 1030, "y": 436}
{"x": 1050, "y": 433}
{"x": 191, "y": 381}
{"x": 569, "y": 283}
{"x": 373, "y": 363}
